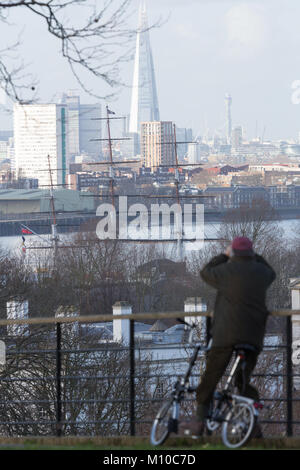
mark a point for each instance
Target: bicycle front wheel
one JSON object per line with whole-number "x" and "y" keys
{"x": 163, "y": 423}
{"x": 238, "y": 425}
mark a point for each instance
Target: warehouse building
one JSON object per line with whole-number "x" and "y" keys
{"x": 25, "y": 201}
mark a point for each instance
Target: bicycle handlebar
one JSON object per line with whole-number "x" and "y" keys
{"x": 193, "y": 325}
{"x": 208, "y": 347}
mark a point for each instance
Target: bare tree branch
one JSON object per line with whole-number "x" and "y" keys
{"x": 96, "y": 39}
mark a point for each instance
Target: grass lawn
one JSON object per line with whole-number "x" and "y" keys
{"x": 137, "y": 443}
{"x": 138, "y": 447}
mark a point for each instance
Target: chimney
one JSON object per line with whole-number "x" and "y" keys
{"x": 68, "y": 311}
{"x": 196, "y": 304}
{"x": 17, "y": 310}
{"x": 2, "y": 353}
{"x": 121, "y": 327}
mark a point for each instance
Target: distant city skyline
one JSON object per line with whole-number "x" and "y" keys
{"x": 206, "y": 49}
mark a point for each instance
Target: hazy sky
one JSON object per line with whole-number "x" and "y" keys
{"x": 249, "y": 48}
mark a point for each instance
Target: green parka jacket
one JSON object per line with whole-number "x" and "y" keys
{"x": 240, "y": 311}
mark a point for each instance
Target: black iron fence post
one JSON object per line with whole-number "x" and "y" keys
{"x": 289, "y": 375}
{"x": 58, "y": 381}
{"x": 132, "y": 373}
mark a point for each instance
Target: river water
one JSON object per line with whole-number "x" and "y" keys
{"x": 14, "y": 244}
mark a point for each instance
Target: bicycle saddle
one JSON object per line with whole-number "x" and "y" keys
{"x": 245, "y": 347}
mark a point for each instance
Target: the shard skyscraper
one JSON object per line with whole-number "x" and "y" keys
{"x": 144, "y": 101}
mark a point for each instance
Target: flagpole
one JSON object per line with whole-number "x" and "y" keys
{"x": 179, "y": 235}
{"x": 53, "y": 225}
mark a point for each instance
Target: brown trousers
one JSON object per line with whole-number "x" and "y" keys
{"x": 216, "y": 364}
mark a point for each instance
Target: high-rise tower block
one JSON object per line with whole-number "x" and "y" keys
{"x": 144, "y": 101}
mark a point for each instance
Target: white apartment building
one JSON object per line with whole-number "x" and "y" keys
{"x": 157, "y": 144}
{"x": 41, "y": 130}
{"x": 194, "y": 153}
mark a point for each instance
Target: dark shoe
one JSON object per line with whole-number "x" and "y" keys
{"x": 173, "y": 425}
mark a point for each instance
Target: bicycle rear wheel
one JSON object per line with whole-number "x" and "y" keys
{"x": 238, "y": 425}
{"x": 162, "y": 424}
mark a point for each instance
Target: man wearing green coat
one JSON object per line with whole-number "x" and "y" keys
{"x": 241, "y": 279}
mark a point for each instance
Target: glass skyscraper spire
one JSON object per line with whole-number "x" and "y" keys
{"x": 144, "y": 101}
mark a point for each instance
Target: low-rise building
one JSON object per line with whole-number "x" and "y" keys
{"x": 220, "y": 197}
{"x": 21, "y": 201}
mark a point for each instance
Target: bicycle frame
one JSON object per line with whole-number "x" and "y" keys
{"x": 232, "y": 372}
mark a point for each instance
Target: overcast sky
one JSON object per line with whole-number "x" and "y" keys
{"x": 249, "y": 48}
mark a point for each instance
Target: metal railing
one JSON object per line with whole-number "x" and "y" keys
{"x": 91, "y": 385}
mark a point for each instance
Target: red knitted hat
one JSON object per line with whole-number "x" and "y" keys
{"x": 242, "y": 246}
